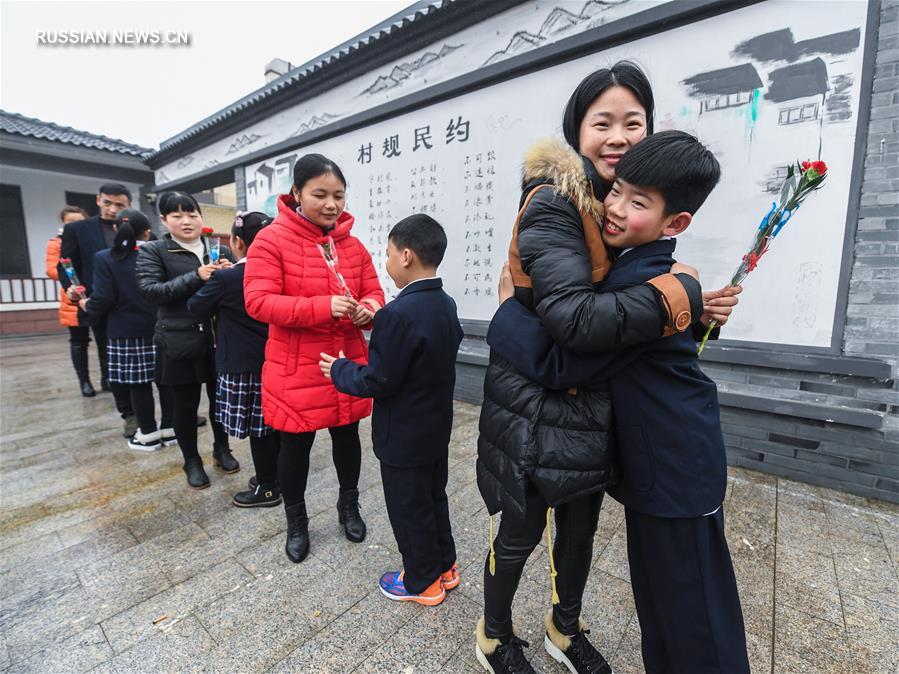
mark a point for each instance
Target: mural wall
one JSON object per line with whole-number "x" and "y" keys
{"x": 771, "y": 84}
{"x": 521, "y": 29}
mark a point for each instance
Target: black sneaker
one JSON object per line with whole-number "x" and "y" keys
{"x": 580, "y": 657}
{"x": 260, "y": 497}
{"x": 507, "y": 658}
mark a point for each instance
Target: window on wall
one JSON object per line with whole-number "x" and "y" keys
{"x": 799, "y": 113}
{"x": 14, "y": 259}
{"x": 726, "y": 101}
{"x": 83, "y": 200}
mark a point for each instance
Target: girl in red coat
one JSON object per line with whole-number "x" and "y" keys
{"x": 317, "y": 288}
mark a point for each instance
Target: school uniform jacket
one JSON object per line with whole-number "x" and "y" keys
{"x": 239, "y": 339}
{"x": 667, "y": 425}
{"x": 411, "y": 375}
{"x": 115, "y": 295}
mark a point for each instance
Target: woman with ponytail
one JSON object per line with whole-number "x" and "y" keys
{"x": 130, "y": 322}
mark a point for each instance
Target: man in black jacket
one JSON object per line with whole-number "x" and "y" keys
{"x": 80, "y": 242}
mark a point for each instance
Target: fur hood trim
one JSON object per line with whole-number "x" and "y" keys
{"x": 552, "y": 160}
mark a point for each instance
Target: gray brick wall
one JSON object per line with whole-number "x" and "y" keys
{"x": 822, "y": 427}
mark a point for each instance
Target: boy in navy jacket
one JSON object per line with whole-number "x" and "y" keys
{"x": 671, "y": 452}
{"x": 411, "y": 375}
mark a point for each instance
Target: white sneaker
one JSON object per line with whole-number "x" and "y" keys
{"x": 168, "y": 437}
{"x": 145, "y": 443}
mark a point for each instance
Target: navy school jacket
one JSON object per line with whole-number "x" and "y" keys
{"x": 115, "y": 295}
{"x": 411, "y": 374}
{"x": 81, "y": 241}
{"x": 670, "y": 448}
{"x": 239, "y": 339}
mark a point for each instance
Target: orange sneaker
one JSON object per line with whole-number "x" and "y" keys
{"x": 450, "y": 579}
{"x": 393, "y": 588}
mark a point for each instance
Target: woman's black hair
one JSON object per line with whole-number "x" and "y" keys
{"x": 624, "y": 74}
{"x": 130, "y": 224}
{"x": 247, "y": 225}
{"x": 311, "y": 166}
{"x": 169, "y": 202}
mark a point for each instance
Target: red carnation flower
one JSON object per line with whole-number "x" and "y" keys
{"x": 208, "y": 230}
{"x": 820, "y": 167}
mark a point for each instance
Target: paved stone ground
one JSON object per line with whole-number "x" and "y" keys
{"x": 110, "y": 563}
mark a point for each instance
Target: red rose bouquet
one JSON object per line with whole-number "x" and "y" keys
{"x": 802, "y": 179}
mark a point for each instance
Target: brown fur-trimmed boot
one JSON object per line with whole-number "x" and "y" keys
{"x": 575, "y": 651}
{"x": 501, "y": 656}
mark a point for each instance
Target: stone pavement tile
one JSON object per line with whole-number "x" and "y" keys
{"x": 868, "y": 573}
{"x": 78, "y": 653}
{"x": 23, "y": 592}
{"x": 328, "y": 542}
{"x": 164, "y": 652}
{"x": 873, "y": 634}
{"x": 889, "y": 530}
{"x": 5, "y": 660}
{"x": 800, "y": 526}
{"x": 428, "y": 640}
{"x": 613, "y": 559}
{"x": 752, "y": 512}
{"x": 808, "y": 582}
{"x": 125, "y": 629}
{"x": 52, "y": 619}
{"x": 758, "y": 650}
{"x": 122, "y": 580}
{"x": 367, "y": 625}
{"x": 184, "y": 552}
{"x": 312, "y": 592}
{"x": 849, "y": 526}
{"x": 29, "y": 523}
{"x": 29, "y": 552}
{"x": 258, "y": 647}
{"x": 233, "y": 529}
{"x": 464, "y": 660}
{"x": 805, "y": 644}
{"x": 608, "y": 610}
{"x": 627, "y": 657}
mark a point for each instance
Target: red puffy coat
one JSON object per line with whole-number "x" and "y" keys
{"x": 288, "y": 285}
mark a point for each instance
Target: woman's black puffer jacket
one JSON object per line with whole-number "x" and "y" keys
{"x": 560, "y": 440}
{"x": 167, "y": 277}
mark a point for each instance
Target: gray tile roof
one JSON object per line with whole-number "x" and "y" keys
{"x": 13, "y": 123}
{"x": 385, "y": 29}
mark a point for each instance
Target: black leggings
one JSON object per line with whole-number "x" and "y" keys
{"x": 265, "y": 458}
{"x": 293, "y": 460}
{"x": 141, "y": 396}
{"x": 572, "y": 553}
{"x": 186, "y": 400}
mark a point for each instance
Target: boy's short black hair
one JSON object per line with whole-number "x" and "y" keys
{"x": 115, "y": 190}
{"x": 684, "y": 170}
{"x": 423, "y": 235}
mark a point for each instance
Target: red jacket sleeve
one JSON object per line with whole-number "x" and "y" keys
{"x": 263, "y": 287}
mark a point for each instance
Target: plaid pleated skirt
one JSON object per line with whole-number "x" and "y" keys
{"x": 238, "y": 404}
{"x": 132, "y": 360}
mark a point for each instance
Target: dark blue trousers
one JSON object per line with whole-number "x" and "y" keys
{"x": 419, "y": 515}
{"x": 686, "y": 595}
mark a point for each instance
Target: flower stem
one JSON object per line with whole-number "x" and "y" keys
{"x": 705, "y": 337}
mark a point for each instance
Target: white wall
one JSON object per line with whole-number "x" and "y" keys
{"x": 43, "y": 196}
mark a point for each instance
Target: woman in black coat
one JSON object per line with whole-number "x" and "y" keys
{"x": 169, "y": 271}
{"x": 540, "y": 449}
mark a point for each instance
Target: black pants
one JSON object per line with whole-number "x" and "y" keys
{"x": 572, "y": 552}
{"x": 419, "y": 515}
{"x": 265, "y": 458}
{"x": 186, "y": 400}
{"x": 293, "y": 460}
{"x": 686, "y": 595}
{"x": 144, "y": 408}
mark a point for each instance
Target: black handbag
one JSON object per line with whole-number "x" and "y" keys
{"x": 181, "y": 338}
